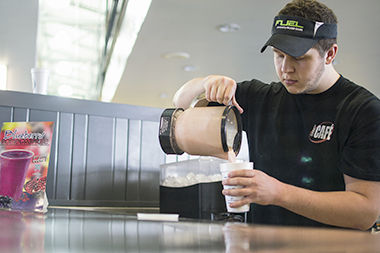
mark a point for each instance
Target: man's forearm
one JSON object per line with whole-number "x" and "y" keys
{"x": 343, "y": 209}
{"x": 185, "y": 95}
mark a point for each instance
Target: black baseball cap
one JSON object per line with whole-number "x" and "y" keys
{"x": 295, "y": 35}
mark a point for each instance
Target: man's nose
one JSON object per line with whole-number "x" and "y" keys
{"x": 287, "y": 64}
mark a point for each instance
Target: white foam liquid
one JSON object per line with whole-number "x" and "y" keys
{"x": 190, "y": 179}
{"x": 231, "y": 155}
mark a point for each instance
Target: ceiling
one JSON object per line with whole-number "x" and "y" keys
{"x": 150, "y": 79}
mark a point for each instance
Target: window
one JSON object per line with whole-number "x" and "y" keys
{"x": 77, "y": 42}
{"x": 71, "y": 39}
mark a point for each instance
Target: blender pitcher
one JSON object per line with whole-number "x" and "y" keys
{"x": 201, "y": 130}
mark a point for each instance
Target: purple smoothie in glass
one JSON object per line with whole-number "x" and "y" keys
{"x": 13, "y": 167}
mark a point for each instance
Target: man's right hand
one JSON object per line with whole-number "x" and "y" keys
{"x": 221, "y": 89}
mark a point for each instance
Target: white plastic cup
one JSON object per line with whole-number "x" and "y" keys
{"x": 226, "y": 168}
{"x": 40, "y": 80}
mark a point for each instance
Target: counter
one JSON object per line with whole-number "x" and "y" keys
{"x": 69, "y": 230}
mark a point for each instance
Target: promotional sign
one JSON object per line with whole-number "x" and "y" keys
{"x": 24, "y": 160}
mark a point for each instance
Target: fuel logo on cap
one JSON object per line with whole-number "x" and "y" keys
{"x": 289, "y": 24}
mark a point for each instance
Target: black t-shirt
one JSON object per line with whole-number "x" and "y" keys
{"x": 310, "y": 141}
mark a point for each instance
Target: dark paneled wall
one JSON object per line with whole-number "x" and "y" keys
{"x": 103, "y": 154}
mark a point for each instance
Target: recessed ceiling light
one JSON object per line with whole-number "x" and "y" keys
{"x": 231, "y": 27}
{"x": 189, "y": 68}
{"x": 163, "y": 95}
{"x": 176, "y": 55}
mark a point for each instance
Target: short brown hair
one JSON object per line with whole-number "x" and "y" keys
{"x": 316, "y": 11}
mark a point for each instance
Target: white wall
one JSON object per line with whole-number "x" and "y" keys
{"x": 18, "y": 33}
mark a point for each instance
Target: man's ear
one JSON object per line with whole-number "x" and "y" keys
{"x": 331, "y": 54}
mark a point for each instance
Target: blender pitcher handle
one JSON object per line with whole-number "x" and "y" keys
{"x": 199, "y": 101}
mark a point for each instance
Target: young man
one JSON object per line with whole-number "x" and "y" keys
{"x": 314, "y": 137}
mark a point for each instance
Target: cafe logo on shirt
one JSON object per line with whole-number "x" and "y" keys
{"x": 322, "y": 132}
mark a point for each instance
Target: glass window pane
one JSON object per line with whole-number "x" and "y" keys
{"x": 70, "y": 43}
